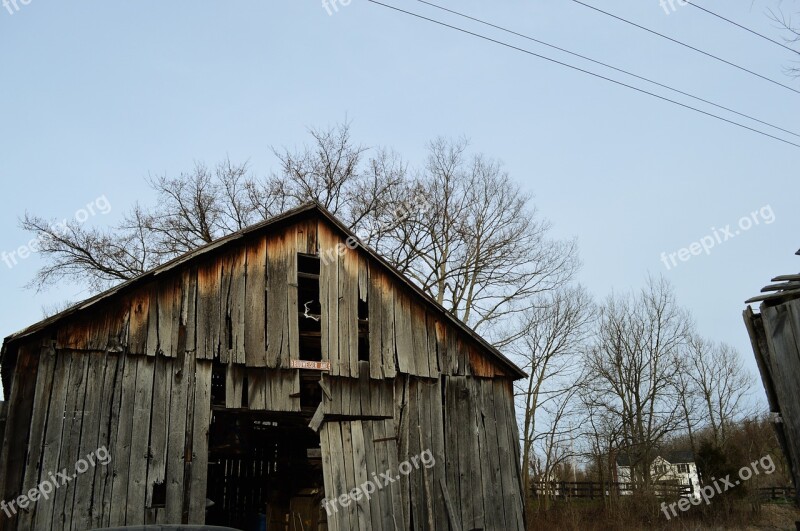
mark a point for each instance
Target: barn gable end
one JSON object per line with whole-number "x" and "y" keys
{"x": 224, "y": 357}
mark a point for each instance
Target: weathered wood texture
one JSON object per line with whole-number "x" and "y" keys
{"x": 116, "y": 425}
{"x": 130, "y": 378}
{"x": 775, "y": 335}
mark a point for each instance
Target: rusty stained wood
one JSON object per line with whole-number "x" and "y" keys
{"x": 481, "y": 366}
{"x": 209, "y": 308}
{"x": 139, "y": 317}
{"x": 235, "y": 314}
{"x": 101, "y": 328}
{"x": 169, "y": 316}
{"x": 279, "y": 275}
{"x": 329, "y": 298}
{"x": 348, "y": 314}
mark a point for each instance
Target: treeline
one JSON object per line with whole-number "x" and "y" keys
{"x": 632, "y": 376}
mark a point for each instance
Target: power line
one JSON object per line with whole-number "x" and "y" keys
{"x": 501, "y": 28}
{"x": 534, "y": 54}
{"x": 782, "y": 45}
{"x": 698, "y": 50}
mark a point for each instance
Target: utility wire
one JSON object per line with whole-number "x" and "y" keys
{"x": 698, "y": 50}
{"x": 501, "y": 28}
{"x": 782, "y": 45}
{"x": 528, "y": 52}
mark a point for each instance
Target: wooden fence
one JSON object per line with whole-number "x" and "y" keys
{"x": 596, "y": 489}
{"x": 776, "y": 493}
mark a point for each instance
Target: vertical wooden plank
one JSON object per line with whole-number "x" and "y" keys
{"x": 15, "y": 438}
{"x": 121, "y": 454}
{"x": 372, "y": 470}
{"x": 406, "y": 359}
{"x": 202, "y": 422}
{"x": 420, "y": 334}
{"x": 257, "y": 389}
{"x": 291, "y": 304}
{"x": 388, "y": 335}
{"x": 412, "y": 447}
{"x": 255, "y": 322}
{"x": 237, "y": 309}
{"x": 113, "y": 437}
{"x": 511, "y": 475}
{"x": 492, "y": 444}
{"x": 109, "y": 400}
{"x": 139, "y": 317}
{"x": 92, "y": 414}
{"x": 374, "y": 300}
{"x": 209, "y": 281}
{"x": 234, "y": 382}
{"x": 152, "y": 347}
{"x": 71, "y": 438}
{"x": 187, "y": 331}
{"x": 159, "y": 427}
{"x": 278, "y": 302}
{"x": 330, "y": 506}
{"x": 433, "y": 346}
{"x": 454, "y": 417}
{"x": 400, "y": 508}
{"x": 137, "y": 473}
{"x": 329, "y": 298}
{"x": 176, "y": 441}
{"x": 36, "y": 438}
{"x": 169, "y": 309}
{"x": 360, "y": 475}
{"x": 52, "y": 437}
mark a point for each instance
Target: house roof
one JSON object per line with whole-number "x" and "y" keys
{"x": 290, "y": 216}
{"x": 674, "y": 458}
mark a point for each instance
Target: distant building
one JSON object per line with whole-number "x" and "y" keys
{"x": 675, "y": 467}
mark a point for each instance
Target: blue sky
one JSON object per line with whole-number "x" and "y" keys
{"x": 94, "y": 96}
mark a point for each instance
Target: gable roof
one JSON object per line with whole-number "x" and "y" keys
{"x": 673, "y": 458}
{"x": 302, "y": 212}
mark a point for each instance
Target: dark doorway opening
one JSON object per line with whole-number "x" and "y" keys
{"x": 264, "y": 472}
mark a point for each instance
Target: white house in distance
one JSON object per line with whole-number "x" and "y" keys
{"x": 675, "y": 467}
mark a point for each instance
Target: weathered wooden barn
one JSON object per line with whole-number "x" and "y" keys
{"x": 253, "y": 377}
{"x": 775, "y": 337}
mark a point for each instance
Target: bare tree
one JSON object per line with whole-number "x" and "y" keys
{"x": 478, "y": 247}
{"x": 790, "y": 26}
{"x": 555, "y": 330}
{"x": 633, "y": 365}
{"x": 721, "y": 384}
